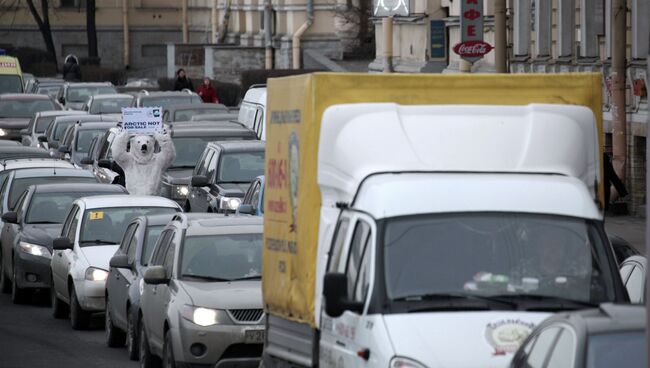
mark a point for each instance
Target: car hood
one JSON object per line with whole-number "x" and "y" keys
{"x": 445, "y": 339}
{"x": 178, "y": 176}
{"x": 14, "y": 123}
{"x": 233, "y": 190}
{"x": 99, "y": 255}
{"x": 225, "y": 295}
{"x": 41, "y": 234}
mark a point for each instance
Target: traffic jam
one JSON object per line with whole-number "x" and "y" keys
{"x": 458, "y": 225}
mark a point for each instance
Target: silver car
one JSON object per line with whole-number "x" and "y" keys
{"x": 202, "y": 298}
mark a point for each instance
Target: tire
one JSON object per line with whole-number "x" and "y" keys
{"x": 168, "y": 351}
{"x": 79, "y": 318}
{"x": 115, "y": 338}
{"x": 60, "y": 310}
{"x": 132, "y": 346}
{"x": 5, "y": 283}
{"x": 18, "y": 295}
{"x": 147, "y": 360}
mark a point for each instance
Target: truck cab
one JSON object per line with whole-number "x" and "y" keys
{"x": 11, "y": 76}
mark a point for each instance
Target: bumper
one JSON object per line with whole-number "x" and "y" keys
{"x": 32, "y": 271}
{"x": 91, "y": 295}
{"x": 224, "y": 345}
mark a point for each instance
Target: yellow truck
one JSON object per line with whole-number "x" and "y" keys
{"x": 407, "y": 217}
{"x": 11, "y": 76}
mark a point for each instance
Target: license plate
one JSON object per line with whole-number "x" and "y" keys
{"x": 254, "y": 336}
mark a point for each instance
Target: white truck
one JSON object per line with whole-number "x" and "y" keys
{"x": 428, "y": 235}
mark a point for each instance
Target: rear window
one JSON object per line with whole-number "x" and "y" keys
{"x": 10, "y": 84}
{"x": 19, "y": 185}
{"x": 51, "y": 91}
{"x": 43, "y": 122}
{"x": 25, "y": 109}
{"x": 81, "y": 94}
{"x": 60, "y": 129}
{"x": 112, "y": 106}
{"x": 85, "y": 138}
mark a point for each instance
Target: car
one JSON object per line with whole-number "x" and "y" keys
{"x": 88, "y": 240}
{"x": 108, "y": 104}
{"x": 28, "y": 232}
{"x": 76, "y": 141}
{"x": 202, "y": 300}
{"x": 223, "y": 173}
{"x": 186, "y": 112}
{"x": 165, "y": 99}
{"x": 11, "y": 76}
{"x": 14, "y": 182}
{"x": 73, "y": 95}
{"x": 610, "y": 336}
{"x": 125, "y": 281}
{"x": 253, "y": 109}
{"x": 10, "y": 164}
{"x": 39, "y": 123}
{"x": 19, "y": 151}
{"x": 633, "y": 275}
{"x": 56, "y": 130}
{"x": 50, "y": 87}
{"x": 100, "y": 160}
{"x": 190, "y": 140}
{"x": 253, "y": 202}
{"x": 17, "y": 109}
{"x": 223, "y": 116}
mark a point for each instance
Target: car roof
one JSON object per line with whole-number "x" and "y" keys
{"x": 157, "y": 220}
{"x": 164, "y": 93}
{"x": 211, "y": 223}
{"x": 112, "y": 96}
{"x": 34, "y": 172}
{"x": 608, "y": 317}
{"x": 60, "y": 113}
{"x": 19, "y": 163}
{"x": 127, "y": 201}
{"x": 24, "y": 96}
{"x": 82, "y": 118}
{"x": 89, "y": 84}
{"x": 80, "y": 187}
{"x": 22, "y": 154}
{"x": 239, "y": 146}
{"x": 256, "y": 94}
{"x": 189, "y": 129}
{"x": 22, "y": 149}
{"x": 94, "y": 125}
{"x": 204, "y": 106}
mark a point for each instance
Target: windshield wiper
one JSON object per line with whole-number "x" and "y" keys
{"x": 97, "y": 241}
{"x": 43, "y": 222}
{"x": 546, "y": 302}
{"x": 258, "y": 277}
{"x": 182, "y": 167}
{"x": 450, "y": 300}
{"x": 204, "y": 277}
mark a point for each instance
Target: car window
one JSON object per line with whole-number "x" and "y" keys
{"x": 337, "y": 244}
{"x": 564, "y": 350}
{"x": 357, "y": 249}
{"x": 19, "y": 185}
{"x": 24, "y": 108}
{"x": 635, "y": 284}
{"x": 68, "y": 221}
{"x": 60, "y": 129}
{"x": 83, "y": 93}
{"x": 168, "y": 263}
{"x": 190, "y": 149}
{"x": 126, "y": 240}
{"x": 109, "y": 106}
{"x": 240, "y": 167}
{"x": 150, "y": 238}
{"x": 619, "y": 349}
{"x": 222, "y": 257}
{"x": 212, "y": 167}
{"x": 72, "y": 230}
{"x": 542, "y": 347}
{"x": 51, "y": 208}
{"x": 203, "y": 168}
{"x": 161, "y": 248}
{"x": 20, "y": 204}
{"x": 255, "y": 198}
{"x": 3, "y": 191}
{"x": 105, "y": 151}
{"x": 85, "y": 138}
{"x": 133, "y": 245}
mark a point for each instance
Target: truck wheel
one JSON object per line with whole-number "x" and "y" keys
{"x": 79, "y": 318}
{"x": 115, "y": 338}
{"x": 168, "y": 352}
{"x": 147, "y": 360}
{"x": 60, "y": 310}
{"x": 131, "y": 337}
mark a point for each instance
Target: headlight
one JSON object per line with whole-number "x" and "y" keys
{"x": 399, "y": 362}
{"x": 180, "y": 191}
{"x": 96, "y": 274}
{"x": 205, "y": 316}
{"x": 35, "y": 250}
{"x": 2, "y": 133}
{"x": 229, "y": 203}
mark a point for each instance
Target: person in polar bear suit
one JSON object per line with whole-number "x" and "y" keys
{"x": 142, "y": 166}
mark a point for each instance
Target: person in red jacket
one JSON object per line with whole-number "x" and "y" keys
{"x": 207, "y": 92}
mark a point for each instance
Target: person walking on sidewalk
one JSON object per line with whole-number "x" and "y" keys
{"x": 71, "y": 69}
{"x": 207, "y": 92}
{"x": 182, "y": 81}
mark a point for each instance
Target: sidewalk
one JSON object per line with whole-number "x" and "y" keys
{"x": 629, "y": 228}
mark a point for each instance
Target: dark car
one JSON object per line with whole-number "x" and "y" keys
{"x": 74, "y": 95}
{"x": 253, "y": 203}
{"x": 190, "y": 140}
{"x": 186, "y": 112}
{"x": 29, "y": 230}
{"x": 76, "y": 141}
{"x": 57, "y": 128}
{"x": 223, "y": 174}
{"x": 165, "y": 99}
{"x": 39, "y": 123}
{"x": 611, "y": 336}
{"x": 124, "y": 281}
{"x": 17, "y": 109}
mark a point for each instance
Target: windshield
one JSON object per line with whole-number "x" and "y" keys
{"x": 10, "y": 84}
{"x": 166, "y": 101}
{"x": 51, "y": 91}
{"x": 81, "y": 94}
{"x": 186, "y": 115}
{"x": 222, "y": 257}
{"x": 189, "y": 150}
{"x": 240, "y": 167}
{"x": 85, "y": 138}
{"x": 19, "y": 185}
{"x": 43, "y": 122}
{"x": 22, "y": 108}
{"x": 60, "y": 128}
{"x": 112, "y": 106}
{"x": 149, "y": 241}
{"x": 496, "y": 254}
{"x": 51, "y": 208}
{"x": 617, "y": 349}
{"x": 103, "y": 226}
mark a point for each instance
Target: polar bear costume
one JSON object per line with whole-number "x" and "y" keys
{"x": 143, "y": 168}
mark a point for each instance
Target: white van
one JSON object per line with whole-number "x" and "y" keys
{"x": 253, "y": 110}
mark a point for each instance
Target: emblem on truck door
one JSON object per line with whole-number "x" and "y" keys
{"x": 506, "y": 335}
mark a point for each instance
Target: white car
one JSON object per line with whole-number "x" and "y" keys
{"x": 89, "y": 238}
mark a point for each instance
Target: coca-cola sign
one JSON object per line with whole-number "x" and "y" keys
{"x": 472, "y": 49}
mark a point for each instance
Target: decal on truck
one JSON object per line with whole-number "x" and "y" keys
{"x": 506, "y": 335}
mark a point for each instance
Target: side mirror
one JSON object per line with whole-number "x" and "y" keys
{"x": 63, "y": 149}
{"x": 120, "y": 261}
{"x": 87, "y": 161}
{"x": 200, "y": 181}
{"x": 24, "y": 132}
{"x": 156, "y": 275}
{"x": 10, "y": 217}
{"x": 42, "y": 138}
{"x": 246, "y": 209}
{"x": 62, "y": 243}
{"x": 105, "y": 163}
{"x": 335, "y": 290}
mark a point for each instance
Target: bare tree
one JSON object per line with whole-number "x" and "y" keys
{"x": 91, "y": 31}
{"x": 354, "y": 25}
{"x": 43, "y": 22}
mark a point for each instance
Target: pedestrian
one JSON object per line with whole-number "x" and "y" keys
{"x": 182, "y": 81}
{"x": 71, "y": 69}
{"x": 611, "y": 179}
{"x": 207, "y": 92}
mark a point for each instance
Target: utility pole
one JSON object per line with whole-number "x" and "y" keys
{"x": 500, "y": 36}
{"x": 186, "y": 33}
{"x": 619, "y": 123}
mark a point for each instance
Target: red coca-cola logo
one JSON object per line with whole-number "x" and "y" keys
{"x": 472, "y": 48}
